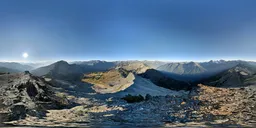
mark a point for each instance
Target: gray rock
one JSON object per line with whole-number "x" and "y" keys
{"x": 27, "y": 94}
{"x": 18, "y": 111}
{"x": 148, "y": 97}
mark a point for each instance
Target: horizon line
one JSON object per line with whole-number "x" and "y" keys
{"x": 48, "y": 61}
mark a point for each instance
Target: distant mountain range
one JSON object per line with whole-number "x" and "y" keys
{"x": 182, "y": 68}
{"x": 8, "y": 70}
{"x": 191, "y": 71}
{"x": 15, "y": 66}
{"x": 182, "y": 71}
{"x": 73, "y": 71}
{"x": 95, "y": 65}
{"x": 153, "y": 64}
{"x": 62, "y": 70}
{"x": 243, "y": 74}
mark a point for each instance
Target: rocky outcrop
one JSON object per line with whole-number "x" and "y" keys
{"x": 22, "y": 94}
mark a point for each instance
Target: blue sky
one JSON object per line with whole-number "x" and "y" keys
{"x": 174, "y": 30}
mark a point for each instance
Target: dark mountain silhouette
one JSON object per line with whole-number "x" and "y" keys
{"x": 60, "y": 70}
{"x": 162, "y": 80}
{"x": 243, "y": 74}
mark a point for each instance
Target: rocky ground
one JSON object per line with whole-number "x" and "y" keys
{"x": 203, "y": 106}
{"x": 23, "y": 94}
{"x": 232, "y": 105}
{"x": 208, "y": 107}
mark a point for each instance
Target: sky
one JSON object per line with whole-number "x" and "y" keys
{"x": 171, "y": 30}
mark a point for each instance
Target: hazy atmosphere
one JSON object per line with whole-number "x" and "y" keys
{"x": 174, "y": 30}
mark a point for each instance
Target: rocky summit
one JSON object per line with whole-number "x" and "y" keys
{"x": 130, "y": 94}
{"x": 228, "y": 105}
{"x": 23, "y": 94}
{"x": 203, "y": 107}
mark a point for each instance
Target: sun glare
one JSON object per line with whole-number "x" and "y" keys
{"x": 25, "y": 55}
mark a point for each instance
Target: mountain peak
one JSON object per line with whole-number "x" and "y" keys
{"x": 246, "y": 67}
{"x": 61, "y": 62}
{"x": 217, "y": 61}
{"x": 192, "y": 63}
{"x": 241, "y": 75}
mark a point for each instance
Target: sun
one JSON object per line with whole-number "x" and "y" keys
{"x": 25, "y": 55}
